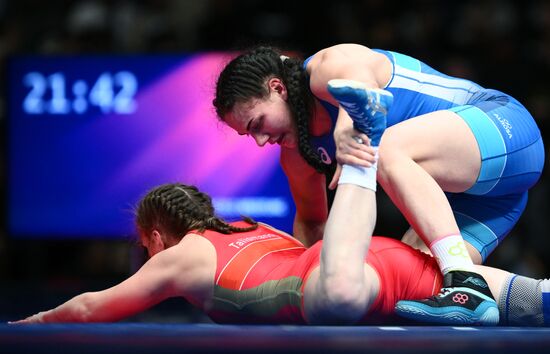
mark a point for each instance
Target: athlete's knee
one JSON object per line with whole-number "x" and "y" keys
{"x": 390, "y": 162}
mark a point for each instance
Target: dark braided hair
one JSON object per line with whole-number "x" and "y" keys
{"x": 245, "y": 78}
{"x": 175, "y": 209}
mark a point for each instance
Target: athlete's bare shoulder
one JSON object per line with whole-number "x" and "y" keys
{"x": 347, "y": 61}
{"x": 193, "y": 265}
{"x": 338, "y": 52}
{"x": 198, "y": 243}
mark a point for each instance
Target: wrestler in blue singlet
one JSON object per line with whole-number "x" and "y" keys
{"x": 510, "y": 143}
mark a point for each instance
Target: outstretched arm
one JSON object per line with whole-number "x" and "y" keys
{"x": 151, "y": 284}
{"x": 346, "y": 286}
{"x": 343, "y": 289}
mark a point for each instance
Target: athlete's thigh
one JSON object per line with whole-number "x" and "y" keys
{"x": 511, "y": 146}
{"x": 441, "y": 143}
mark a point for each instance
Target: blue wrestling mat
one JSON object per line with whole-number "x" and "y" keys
{"x": 208, "y": 338}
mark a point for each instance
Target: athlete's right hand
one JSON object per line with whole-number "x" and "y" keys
{"x": 37, "y": 318}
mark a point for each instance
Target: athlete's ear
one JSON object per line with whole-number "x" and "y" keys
{"x": 156, "y": 244}
{"x": 277, "y": 85}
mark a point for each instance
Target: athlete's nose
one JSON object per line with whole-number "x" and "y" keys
{"x": 261, "y": 139}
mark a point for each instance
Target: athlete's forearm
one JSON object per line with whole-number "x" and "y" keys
{"x": 75, "y": 310}
{"x": 343, "y": 293}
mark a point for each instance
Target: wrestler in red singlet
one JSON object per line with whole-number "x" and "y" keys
{"x": 261, "y": 274}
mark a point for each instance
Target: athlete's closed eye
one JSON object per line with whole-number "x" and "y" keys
{"x": 256, "y": 124}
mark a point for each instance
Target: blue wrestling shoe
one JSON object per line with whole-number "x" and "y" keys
{"x": 366, "y": 107}
{"x": 465, "y": 300}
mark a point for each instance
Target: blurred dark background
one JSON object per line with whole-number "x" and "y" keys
{"x": 501, "y": 44}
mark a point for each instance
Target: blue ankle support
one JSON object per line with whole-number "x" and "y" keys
{"x": 545, "y": 287}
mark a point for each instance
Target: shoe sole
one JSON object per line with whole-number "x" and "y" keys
{"x": 459, "y": 316}
{"x": 351, "y": 94}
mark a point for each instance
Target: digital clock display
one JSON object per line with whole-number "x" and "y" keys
{"x": 89, "y": 135}
{"x": 111, "y": 92}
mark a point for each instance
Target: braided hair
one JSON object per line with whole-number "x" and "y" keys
{"x": 175, "y": 209}
{"x": 245, "y": 77}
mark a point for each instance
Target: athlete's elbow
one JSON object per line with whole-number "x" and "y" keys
{"x": 81, "y": 309}
{"x": 342, "y": 302}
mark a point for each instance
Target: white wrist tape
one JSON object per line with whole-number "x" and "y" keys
{"x": 362, "y": 176}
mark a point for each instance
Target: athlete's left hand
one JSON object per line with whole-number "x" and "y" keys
{"x": 352, "y": 148}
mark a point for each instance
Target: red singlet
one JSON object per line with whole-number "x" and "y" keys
{"x": 261, "y": 274}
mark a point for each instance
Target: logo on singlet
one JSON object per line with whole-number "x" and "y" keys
{"x": 324, "y": 155}
{"x": 241, "y": 242}
{"x": 505, "y": 124}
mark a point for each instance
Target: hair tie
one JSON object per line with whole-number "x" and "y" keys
{"x": 283, "y": 58}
